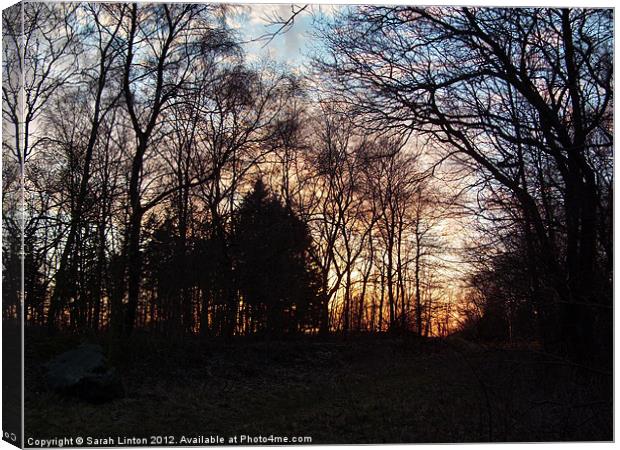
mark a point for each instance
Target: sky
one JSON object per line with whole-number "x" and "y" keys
{"x": 291, "y": 48}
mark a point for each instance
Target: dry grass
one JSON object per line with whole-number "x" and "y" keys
{"x": 363, "y": 390}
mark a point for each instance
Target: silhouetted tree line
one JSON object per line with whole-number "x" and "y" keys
{"x": 444, "y": 167}
{"x": 261, "y": 282}
{"x": 136, "y": 202}
{"x": 523, "y": 98}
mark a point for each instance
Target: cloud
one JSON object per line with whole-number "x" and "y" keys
{"x": 261, "y": 14}
{"x": 253, "y": 22}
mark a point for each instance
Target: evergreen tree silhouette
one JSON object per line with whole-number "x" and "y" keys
{"x": 278, "y": 285}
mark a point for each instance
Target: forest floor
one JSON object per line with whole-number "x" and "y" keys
{"x": 359, "y": 390}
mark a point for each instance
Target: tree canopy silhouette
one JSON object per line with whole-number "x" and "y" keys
{"x": 278, "y": 284}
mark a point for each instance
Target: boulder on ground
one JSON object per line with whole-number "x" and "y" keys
{"x": 83, "y": 372}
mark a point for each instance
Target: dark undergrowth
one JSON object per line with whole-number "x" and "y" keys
{"x": 365, "y": 389}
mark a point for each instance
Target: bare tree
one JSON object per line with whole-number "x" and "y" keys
{"x": 164, "y": 44}
{"x": 106, "y": 48}
{"x": 452, "y": 78}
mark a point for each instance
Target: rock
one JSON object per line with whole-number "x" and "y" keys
{"x": 83, "y": 373}
{"x": 69, "y": 368}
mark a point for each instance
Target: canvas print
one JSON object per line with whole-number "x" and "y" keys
{"x": 302, "y": 224}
